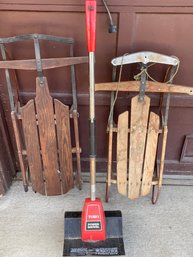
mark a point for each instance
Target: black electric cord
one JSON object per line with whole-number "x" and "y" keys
{"x": 112, "y": 26}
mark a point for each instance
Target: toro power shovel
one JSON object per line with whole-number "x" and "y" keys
{"x": 93, "y": 232}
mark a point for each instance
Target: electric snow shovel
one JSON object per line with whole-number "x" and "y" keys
{"x": 93, "y": 232}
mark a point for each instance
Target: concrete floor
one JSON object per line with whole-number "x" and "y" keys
{"x": 31, "y": 225}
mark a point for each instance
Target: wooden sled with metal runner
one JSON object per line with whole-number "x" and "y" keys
{"x": 42, "y": 125}
{"x": 138, "y": 132}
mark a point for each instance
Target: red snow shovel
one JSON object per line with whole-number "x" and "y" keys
{"x": 93, "y": 232}
{"x": 93, "y": 220}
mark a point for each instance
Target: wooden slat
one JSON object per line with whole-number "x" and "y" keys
{"x": 150, "y": 154}
{"x": 64, "y": 145}
{"x": 32, "y": 146}
{"x": 151, "y": 87}
{"x": 46, "y": 63}
{"x": 45, "y": 115}
{"x": 122, "y": 153}
{"x": 139, "y": 119}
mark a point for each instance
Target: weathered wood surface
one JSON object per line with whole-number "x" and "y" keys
{"x": 47, "y": 136}
{"x": 139, "y": 120}
{"x": 147, "y": 18}
{"x": 46, "y": 127}
{"x": 150, "y": 153}
{"x": 64, "y": 145}
{"x": 32, "y": 146}
{"x": 46, "y": 63}
{"x": 122, "y": 152}
{"x": 151, "y": 87}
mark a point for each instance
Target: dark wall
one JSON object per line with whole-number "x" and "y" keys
{"x": 7, "y": 161}
{"x": 160, "y": 26}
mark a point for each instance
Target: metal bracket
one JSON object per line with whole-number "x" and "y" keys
{"x": 165, "y": 118}
{"x": 39, "y": 67}
{"x": 38, "y": 60}
{"x": 142, "y": 84}
{"x": 145, "y": 58}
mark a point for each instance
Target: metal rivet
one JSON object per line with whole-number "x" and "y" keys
{"x": 91, "y": 8}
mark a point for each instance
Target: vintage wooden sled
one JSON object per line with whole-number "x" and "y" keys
{"x": 42, "y": 126}
{"x": 140, "y": 130}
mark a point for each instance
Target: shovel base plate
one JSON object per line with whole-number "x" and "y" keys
{"x": 112, "y": 246}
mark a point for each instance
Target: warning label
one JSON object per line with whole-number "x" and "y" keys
{"x": 95, "y": 251}
{"x": 93, "y": 225}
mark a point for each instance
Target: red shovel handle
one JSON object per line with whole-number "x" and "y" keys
{"x": 91, "y": 24}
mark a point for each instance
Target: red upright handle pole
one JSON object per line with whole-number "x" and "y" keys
{"x": 91, "y": 43}
{"x": 91, "y": 24}
{"x": 93, "y": 219}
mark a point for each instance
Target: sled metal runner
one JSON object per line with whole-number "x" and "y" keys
{"x": 42, "y": 125}
{"x": 136, "y": 171}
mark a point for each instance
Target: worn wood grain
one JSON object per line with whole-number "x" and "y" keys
{"x": 150, "y": 153}
{"x": 139, "y": 119}
{"x": 47, "y": 135}
{"x": 151, "y": 87}
{"x": 32, "y": 146}
{"x": 64, "y": 145}
{"x": 122, "y": 152}
{"x": 48, "y": 63}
